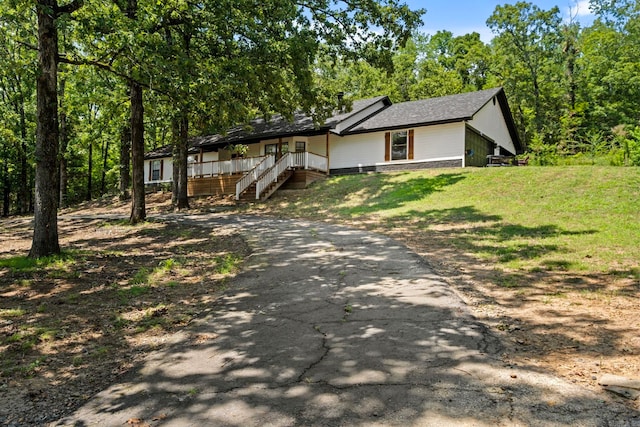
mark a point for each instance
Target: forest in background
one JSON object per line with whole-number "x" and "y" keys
{"x": 574, "y": 91}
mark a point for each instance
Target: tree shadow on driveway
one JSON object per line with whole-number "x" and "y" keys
{"x": 334, "y": 326}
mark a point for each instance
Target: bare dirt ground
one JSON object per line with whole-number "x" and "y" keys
{"x": 71, "y": 328}
{"x": 579, "y": 326}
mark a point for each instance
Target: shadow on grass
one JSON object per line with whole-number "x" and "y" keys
{"x": 385, "y": 192}
{"x": 485, "y": 234}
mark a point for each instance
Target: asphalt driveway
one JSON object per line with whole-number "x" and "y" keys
{"x": 330, "y": 326}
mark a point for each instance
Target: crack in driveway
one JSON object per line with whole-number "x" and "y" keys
{"x": 409, "y": 352}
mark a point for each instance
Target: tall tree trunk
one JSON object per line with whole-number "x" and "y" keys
{"x": 125, "y": 161}
{"x": 6, "y": 188}
{"x": 64, "y": 142}
{"x": 175, "y": 136}
{"x": 45, "y": 224}
{"x": 23, "y": 190}
{"x": 138, "y": 210}
{"x": 90, "y": 172}
{"x": 183, "y": 142}
{"x": 183, "y": 149}
{"x": 105, "y": 153}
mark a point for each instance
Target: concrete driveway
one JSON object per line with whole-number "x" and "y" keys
{"x": 330, "y": 326}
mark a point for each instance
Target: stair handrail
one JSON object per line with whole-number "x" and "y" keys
{"x": 285, "y": 162}
{"x": 253, "y": 174}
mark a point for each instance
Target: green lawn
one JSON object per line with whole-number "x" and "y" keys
{"x": 579, "y": 218}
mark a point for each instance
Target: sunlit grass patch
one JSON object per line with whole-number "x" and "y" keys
{"x": 61, "y": 266}
{"x": 583, "y": 219}
{"x": 227, "y": 264}
{"x": 140, "y": 277}
{"x": 12, "y": 312}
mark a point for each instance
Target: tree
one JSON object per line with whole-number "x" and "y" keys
{"x": 17, "y": 93}
{"x": 45, "y": 228}
{"x": 526, "y": 50}
{"x": 610, "y": 64}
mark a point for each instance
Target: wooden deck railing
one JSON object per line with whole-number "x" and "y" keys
{"x": 303, "y": 159}
{"x": 222, "y": 167}
{"x": 285, "y": 162}
{"x": 252, "y": 175}
{"x": 309, "y": 160}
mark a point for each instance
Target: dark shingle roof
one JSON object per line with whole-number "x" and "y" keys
{"x": 278, "y": 126}
{"x": 445, "y": 109}
{"x": 167, "y": 151}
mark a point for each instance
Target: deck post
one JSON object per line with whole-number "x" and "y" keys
{"x": 327, "y": 149}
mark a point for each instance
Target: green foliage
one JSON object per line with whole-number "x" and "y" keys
{"x": 166, "y": 265}
{"x": 631, "y": 148}
{"x": 25, "y": 264}
{"x": 12, "y": 312}
{"x": 140, "y": 277}
{"x": 228, "y": 263}
{"x": 221, "y": 63}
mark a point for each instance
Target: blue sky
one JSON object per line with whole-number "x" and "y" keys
{"x": 466, "y": 16}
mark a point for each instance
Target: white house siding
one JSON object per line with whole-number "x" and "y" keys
{"x": 439, "y": 141}
{"x": 431, "y": 143}
{"x": 364, "y": 149}
{"x": 315, "y": 144}
{"x": 490, "y": 121}
{"x": 318, "y": 144}
{"x": 255, "y": 150}
{"x": 167, "y": 170}
{"x": 167, "y": 166}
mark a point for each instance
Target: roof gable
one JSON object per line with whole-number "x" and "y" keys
{"x": 445, "y": 109}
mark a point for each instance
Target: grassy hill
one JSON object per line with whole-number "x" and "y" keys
{"x": 582, "y": 219}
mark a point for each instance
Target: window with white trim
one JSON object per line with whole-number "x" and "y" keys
{"x": 156, "y": 168}
{"x": 399, "y": 144}
{"x": 300, "y": 146}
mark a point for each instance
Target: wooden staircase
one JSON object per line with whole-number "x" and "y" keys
{"x": 249, "y": 195}
{"x": 252, "y": 188}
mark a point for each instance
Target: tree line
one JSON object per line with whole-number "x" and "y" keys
{"x": 87, "y": 85}
{"x": 574, "y": 91}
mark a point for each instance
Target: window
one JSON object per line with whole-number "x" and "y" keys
{"x": 156, "y": 168}
{"x": 300, "y": 146}
{"x": 399, "y": 145}
{"x": 273, "y": 148}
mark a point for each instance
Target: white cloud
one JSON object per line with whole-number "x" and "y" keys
{"x": 580, "y": 8}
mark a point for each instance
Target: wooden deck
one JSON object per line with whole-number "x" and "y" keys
{"x": 213, "y": 185}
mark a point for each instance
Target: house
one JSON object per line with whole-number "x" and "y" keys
{"x": 374, "y": 135}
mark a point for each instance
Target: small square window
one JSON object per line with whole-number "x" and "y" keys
{"x": 300, "y": 146}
